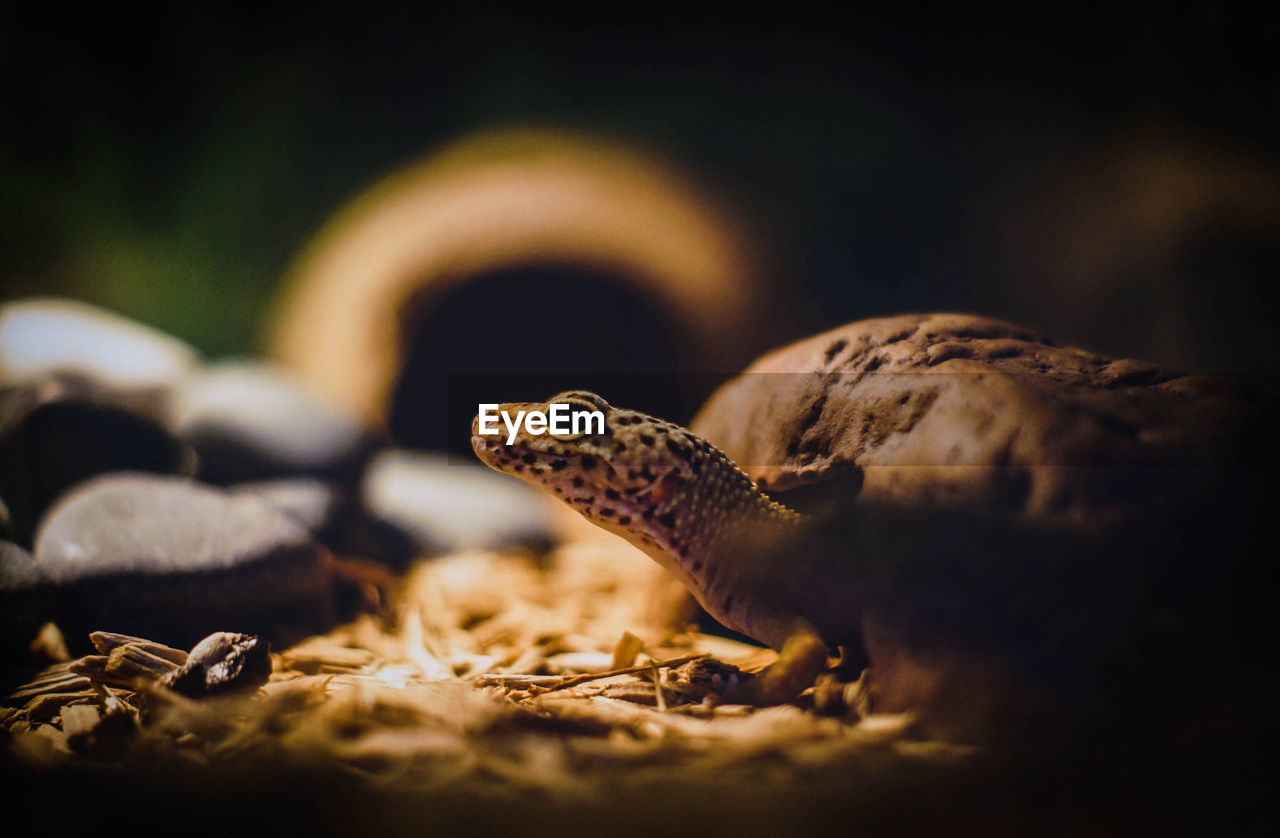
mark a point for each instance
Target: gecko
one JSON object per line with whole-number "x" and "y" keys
{"x": 683, "y": 502}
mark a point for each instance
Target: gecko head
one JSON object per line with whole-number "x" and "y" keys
{"x": 621, "y": 469}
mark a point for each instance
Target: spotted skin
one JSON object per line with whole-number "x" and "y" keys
{"x": 684, "y": 503}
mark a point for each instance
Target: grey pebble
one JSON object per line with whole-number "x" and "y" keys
{"x": 249, "y": 420}
{"x": 41, "y": 337}
{"x": 25, "y": 604}
{"x": 56, "y": 433}
{"x": 17, "y": 566}
{"x": 335, "y": 518}
{"x": 172, "y": 560}
{"x": 454, "y": 505}
{"x": 315, "y": 504}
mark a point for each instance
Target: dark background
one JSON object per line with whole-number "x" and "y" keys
{"x": 1108, "y": 174}
{"x": 1105, "y": 174}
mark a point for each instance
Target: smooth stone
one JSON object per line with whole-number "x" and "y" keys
{"x": 315, "y": 504}
{"x": 453, "y": 505}
{"x": 17, "y": 566}
{"x": 53, "y": 436}
{"x": 334, "y": 518}
{"x": 250, "y": 421}
{"x": 42, "y": 336}
{"x": 25, "y": 604}
{"x": 173, "y": 560}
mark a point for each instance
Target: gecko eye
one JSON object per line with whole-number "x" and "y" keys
{"x": 580, "y": 399}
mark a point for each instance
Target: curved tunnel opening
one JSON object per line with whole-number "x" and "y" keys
{"x": 527, "y": 332}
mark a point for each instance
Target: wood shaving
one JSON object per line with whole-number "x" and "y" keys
{"x": 497, "y": 673}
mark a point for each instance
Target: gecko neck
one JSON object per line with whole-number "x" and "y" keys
{"x": 726, "y": 530}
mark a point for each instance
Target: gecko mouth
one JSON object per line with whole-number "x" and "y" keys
{"x": 492, "y": 448}
{"x": 520, "y": 461}
{"x": 493, "y": 445}
{"x": 481, "y": 443}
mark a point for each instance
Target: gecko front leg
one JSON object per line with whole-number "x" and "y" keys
{"x": 802, "y": 655}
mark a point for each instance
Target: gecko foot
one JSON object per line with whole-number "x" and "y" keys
{"x": 799, "y": 661}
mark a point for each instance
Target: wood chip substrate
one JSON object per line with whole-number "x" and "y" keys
{"x": 500, "y": 692}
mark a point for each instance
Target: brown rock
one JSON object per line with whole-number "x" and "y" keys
{"x": 1030, "y": 525}
{"x": 980, "y": 413}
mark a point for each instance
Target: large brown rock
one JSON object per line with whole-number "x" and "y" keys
{"x": 980, "y": 413}
{"x": 1033, "y": 526}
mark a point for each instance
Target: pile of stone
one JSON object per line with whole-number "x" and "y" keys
{"x": 147, "y": 491}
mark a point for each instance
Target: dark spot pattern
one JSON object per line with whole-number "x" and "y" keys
{"x": 811, "y": 446}
{"x": 668, "y": 520}
{"x": 815, "y": 412}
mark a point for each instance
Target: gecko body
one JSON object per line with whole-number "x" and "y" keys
{"x": 747, "y": 559}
